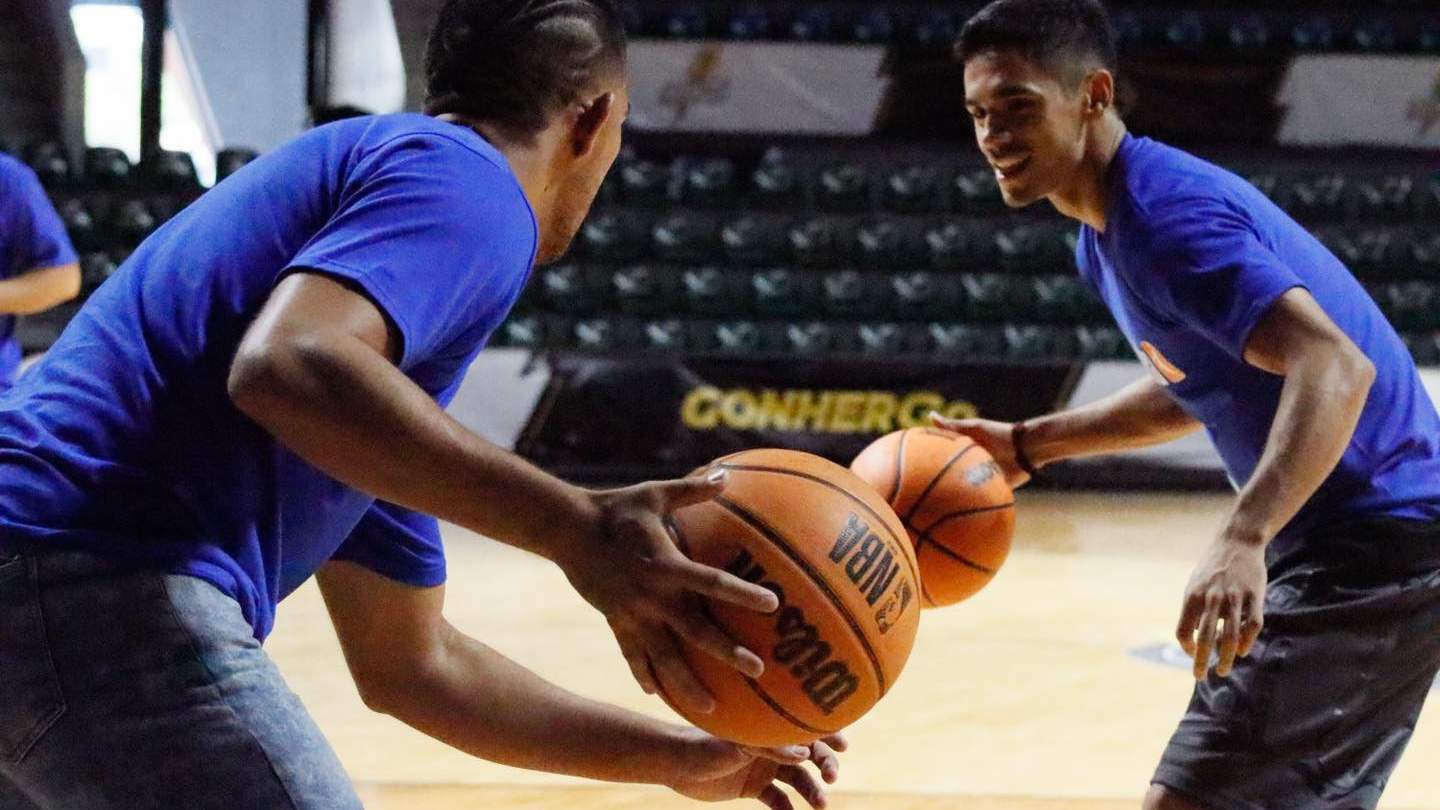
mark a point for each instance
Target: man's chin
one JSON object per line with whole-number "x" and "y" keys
{"x": 1018, "y": 198}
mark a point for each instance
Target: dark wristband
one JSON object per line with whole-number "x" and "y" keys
{"x": 1017, "y": 436}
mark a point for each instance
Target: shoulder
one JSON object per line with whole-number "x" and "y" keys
{"x": 15, "y": 174}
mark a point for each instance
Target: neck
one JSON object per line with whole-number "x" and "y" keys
{"x": 529, "y": 160}
{"x": 1087, "y": 197}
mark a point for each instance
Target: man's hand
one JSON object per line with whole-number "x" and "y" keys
{"x": 631, "y": 570}
{"x": 994, "y": 437}
{"x": 714, "y": 770}
{"x": 1224, "y": 604}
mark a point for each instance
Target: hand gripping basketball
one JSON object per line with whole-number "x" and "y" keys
{"x": 714, "y": 770}
{"x": 651, "y": 593}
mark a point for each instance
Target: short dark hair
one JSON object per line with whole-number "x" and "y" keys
{"x": 1068, "y": 36}
{"x": 515, "y": 62}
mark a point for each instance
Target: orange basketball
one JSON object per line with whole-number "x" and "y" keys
{"x": 836, "y": 555}
{"x": 954, "y": 502}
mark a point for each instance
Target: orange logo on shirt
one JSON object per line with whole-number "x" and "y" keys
{"x": 1162, "y": 366}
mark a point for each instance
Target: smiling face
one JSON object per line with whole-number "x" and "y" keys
{"x": 1030, "y": 126}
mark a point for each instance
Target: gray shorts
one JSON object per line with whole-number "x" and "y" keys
{"x": 1317, "y": 716}
{"x": 140, "y": 690}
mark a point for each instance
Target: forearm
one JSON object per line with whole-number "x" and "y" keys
{"x": 1140, "y": 415}
{"x": 39, "y": 290}
{"x": 480, "y": 702}
{"x": 1319, "y": 407}
{"x": 348, "y": 411}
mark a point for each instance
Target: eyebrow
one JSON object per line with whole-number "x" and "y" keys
{"x": 1009, "y": 91}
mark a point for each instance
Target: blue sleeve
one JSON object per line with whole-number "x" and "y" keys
{"x": 439, "y": 237}
{"x": 398, "y": 544}
{"x": 1207, "y": 269}
{"x": 33, "y": 231}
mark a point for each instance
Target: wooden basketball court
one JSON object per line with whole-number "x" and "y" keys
{"x": 1031, "y": 696}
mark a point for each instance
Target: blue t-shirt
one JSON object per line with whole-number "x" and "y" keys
{"x": 122, "y": 440}
{"x": 32, "y": 237}
{"x": 1191, "y": 258}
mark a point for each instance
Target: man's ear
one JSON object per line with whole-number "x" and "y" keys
{"x": 1099, "y": 88}
{"x": 590, "y": 121}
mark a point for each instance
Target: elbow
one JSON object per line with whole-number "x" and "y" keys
{"x": 1359, "y": 370}
{"x": 68, "y": 287}
{"x": 255, "y": 381}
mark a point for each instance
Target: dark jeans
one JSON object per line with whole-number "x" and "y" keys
{"x": 140, "y": 690}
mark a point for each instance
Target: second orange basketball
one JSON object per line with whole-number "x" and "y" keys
{"x": 954, "y": 502}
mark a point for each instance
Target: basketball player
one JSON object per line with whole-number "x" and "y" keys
{"x": 256, "y": 397}
{"x": 38, "y": 268}
{"x": 1254, "y": 332}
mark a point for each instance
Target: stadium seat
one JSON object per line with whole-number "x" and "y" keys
{"x": 737, "y": 337}
{"x": 951, "y": 247}
{"x": 965, "y": 340}
{"x": 685, "y": 238}
{"x": 567, "y": 288}
{"x": 615, "y": 237}
{"x": 873, "y": 25}
{"x": 819, "y": 242}
{"x": 131, "y": 221}
{"x": 813, "y": 23}
{"x": 1065, "y": 299}
{"x": 1131, "y": 30}
{"x": 526, "y": 332}
{"x": 229, "y": 161}
{"x": 749, "y": 22}
{"x": 1424, "y": 250}
{"x": 1316, "y": 196}
{"x": 50, "y": 163}
{"x": 843, "y": 186}
{"x": 665, "y": 335}
{"x": 1367, "y": 251}
{"x": 106, "y": 167}
{"x": 1249, "y": 32}
{"x": 1030, "y": 342}
{"x": 996, "y": 296}
{"x": 644, "y": 290}
{"x": 94, "y": 269}
{"x": 779, "y": 292}
{"x": 1376, "y": 35}
{"x": 1388, "y": 196}
{"x": 1428, "y": 40}
{"x": 169, "y": 171}
{"x": 976, "y": 192}
{"x": 1033, "y": 248}
{"x": 753, "y": 241}
{"x": 851, "y": 294}
{"x": 934, "y": 27}
{"x": 1425, "y": 348}
{"x": 710, "y": 291}
{"x": 912, "y": 189}
{"x": 605, "y": 334}
{"x": 883, "y": 245}
{"x": 709, "y": 182}
{"x": 1268, "y": 182}
{"x": 1314, "y": 34}
{"x": 921, "y": 295}
{"x": 685, "y": 21}
{"x": 1410, "y": 305}
{"x": 775, "y": 182}
{"x": 1101, "y": 343}
{"x": 811, "y": 338}
{"x": 883, "y": 339}
{"x": 644, "y": 183}
{"x": 1187, "y": 31}
{"x": 80, "y": 225}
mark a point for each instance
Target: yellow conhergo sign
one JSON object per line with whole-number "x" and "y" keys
{"x": 819, "y": 411}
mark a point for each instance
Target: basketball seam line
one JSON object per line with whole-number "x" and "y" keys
{"x": 766, "y": 696}
{"x": 962, "y": 513}
{"x": 914, "y": 564}
{"x": 934, "y": 482}
{"x": 754, "y": 685}
{"x": 899, "y": 467}
{"x": 958, "y": 557}
{"x": 773, "y": 536}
